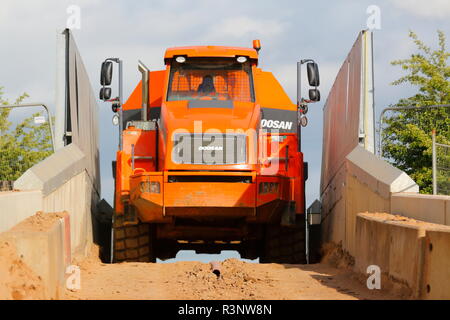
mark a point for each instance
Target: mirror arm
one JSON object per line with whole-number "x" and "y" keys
{"x": 118, "y": 99}
{"x": 301, "y": 102}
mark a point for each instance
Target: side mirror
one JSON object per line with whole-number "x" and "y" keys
{"x": 314, "y": 95}
{"x": 106, "y": 73}
{"x": 313, "y": 74}
{"x": 105, "y": 93}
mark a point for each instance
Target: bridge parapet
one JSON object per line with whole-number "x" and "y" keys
{"x": 65, "y": 185}
{"x": 67, "y": 181}
{"x": 364, "y": 183}
{"x": 365, "y": 211}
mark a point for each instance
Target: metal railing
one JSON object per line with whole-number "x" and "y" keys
{"x": 441, "y": 167}
{"x": 37, "y": 104}
{"x": 23, "y": 143}
{"x": 380, "y": 121}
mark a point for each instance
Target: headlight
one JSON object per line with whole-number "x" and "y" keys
{"x": 180, "y": 59}
{"x": 241, "y": 59}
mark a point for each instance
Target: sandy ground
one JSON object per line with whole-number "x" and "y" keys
{"x": 332, "y": 279}
{"x": 238, "y": 280}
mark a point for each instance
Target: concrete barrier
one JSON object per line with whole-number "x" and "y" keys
{"x": 424, "y": 207}
{"x": 63, "y": 184}
{"x": 45, "y": 250}
{"x": 77, "y": 197}
{"x": 364, "y": 183}
{"x": 395, "y": 246}
{"x": 409, "y": 252}
{"x": 17, "y": 206}
{"x": 60, "y": 183}
{"x": 68, "y": 180}
{"x": 437, "y": 264}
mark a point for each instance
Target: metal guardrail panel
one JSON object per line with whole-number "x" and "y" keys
{"x": 348, "y": 111}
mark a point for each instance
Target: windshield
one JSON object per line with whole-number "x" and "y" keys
{"x": 211, "y": 79}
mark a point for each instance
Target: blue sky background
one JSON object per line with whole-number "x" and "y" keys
{"x": 288, "y": 30}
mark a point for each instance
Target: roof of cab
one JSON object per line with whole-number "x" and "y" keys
{"x": 210, "y": 51}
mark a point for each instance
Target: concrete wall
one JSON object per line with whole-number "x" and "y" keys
{"x": 16, "y": 206}
{"x": 68, "y": 180}
{"x": 411, "y": 253}
{"x": 424, "y": 207}
{"x": 76, "y": 197}
{"x": 395, "y": 247}
{"x": 364, "y": 183}
{"x": 60, "y": 183}
{"x": 46, "y": 252}
{"x": 348, "y": 111}
{"x": 436, "y": 276}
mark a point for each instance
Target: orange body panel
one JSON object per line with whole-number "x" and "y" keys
{"x": 269, "y": 92}
{"x": 149, "y": 204}
{"x": 156, "y": 89}
{"x": 268, "y": 186}
{"x": 210, "y": 51}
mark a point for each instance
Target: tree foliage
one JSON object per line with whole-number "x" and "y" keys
{"x": 21, "y": 145}
{"x": 407, "y": 136}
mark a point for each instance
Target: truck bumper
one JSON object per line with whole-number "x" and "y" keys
{"x": 158, "y": 196}
{"x": 161, "y": 196}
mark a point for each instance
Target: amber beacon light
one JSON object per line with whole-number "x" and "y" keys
{"x": 256, "y": 45}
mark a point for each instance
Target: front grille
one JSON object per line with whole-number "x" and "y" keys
{"x": 209, "y": 148}
{"x": 200, "y": 178}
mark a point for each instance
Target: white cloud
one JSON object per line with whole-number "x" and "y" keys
{"x": 426, "y": 9}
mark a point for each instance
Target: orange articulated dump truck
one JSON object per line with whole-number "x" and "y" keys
{"x": 209, "y": 158}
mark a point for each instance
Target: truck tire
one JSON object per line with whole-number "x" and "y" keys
{"x": 132, "y": 243}
{"x": 285, "y": 244}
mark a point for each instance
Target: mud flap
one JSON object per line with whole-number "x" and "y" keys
{"x": 313, "y": 233}
{"x": 288, "y": 215}
{"x": 130, "y": 215}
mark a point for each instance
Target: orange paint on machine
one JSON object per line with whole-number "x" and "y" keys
{"x": 209, "y": 158}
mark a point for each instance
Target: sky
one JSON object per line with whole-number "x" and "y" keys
{"x": 288, "y": 30}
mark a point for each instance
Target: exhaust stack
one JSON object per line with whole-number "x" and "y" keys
{"x": 145, "y": 91}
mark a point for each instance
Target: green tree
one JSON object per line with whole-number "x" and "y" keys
{"x": 22, "y": 145}
{"x": 407, "y": 137}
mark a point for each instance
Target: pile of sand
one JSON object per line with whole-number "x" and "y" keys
{"x": 407, "y": 221}
{"x": 17, "y": 280}
{"x": 39, "y": 222}
{"x": 236, "y": 281}
{"x": 335, "y": 256}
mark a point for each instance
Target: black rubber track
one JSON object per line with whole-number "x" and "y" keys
{"x": 284, "y": 244}
{"x": 133, "y": 243}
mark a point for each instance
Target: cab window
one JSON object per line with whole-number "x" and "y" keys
{"x": 211, "y": 79}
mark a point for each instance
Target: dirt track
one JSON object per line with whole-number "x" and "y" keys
{"x": 239, "y": 280}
